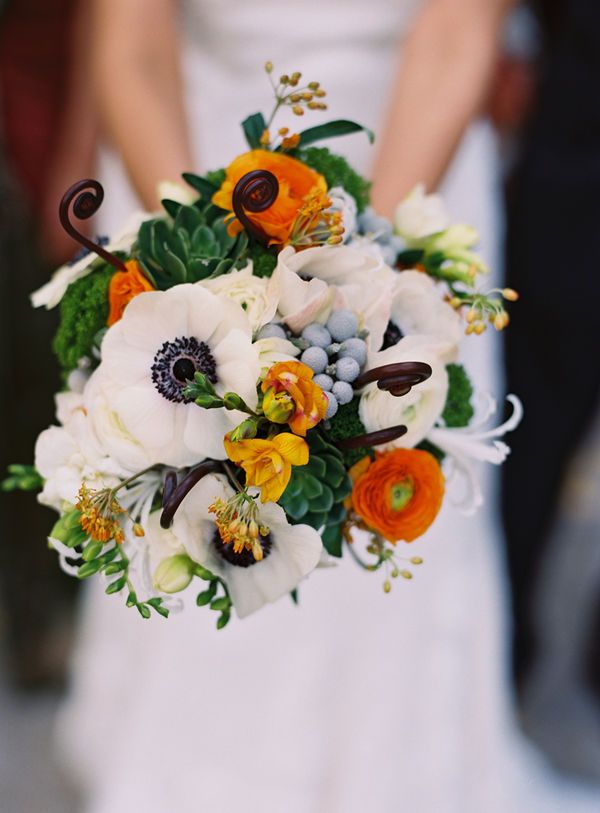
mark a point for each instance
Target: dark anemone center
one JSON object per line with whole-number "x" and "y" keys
{"x": 246, "y": 557}
{"x": 392, "y": 335}
{"x": 175, "y": 364}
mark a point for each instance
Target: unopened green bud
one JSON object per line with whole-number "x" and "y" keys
{"x": 245, "y": 431}
{"x": 68, "y": 529}
{"x": 231, "y": 400}
{"x": 278, "y": 406}
{"x": 207, "y": 401}
{"x": 173, "y": 574}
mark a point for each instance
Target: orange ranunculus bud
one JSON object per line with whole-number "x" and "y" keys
{"x": 268, "y": 463}
{"x": 400, "y": 494}
{"x": 123, "y": 287}
{"x": 309, "y": 399}
{"x": 296, "y": 181}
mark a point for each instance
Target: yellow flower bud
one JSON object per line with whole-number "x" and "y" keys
{"x": 278, "y": 406}
{"x": 269, "y": 67}
{"x": 510, "y": 294}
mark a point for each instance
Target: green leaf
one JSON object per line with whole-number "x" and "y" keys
{"x": 143, "y": 610}
{"x": 114, "y": 567}
{"x": 333, "y": 129}
{"x": 131, "y": 599}
{"x": 161, "y": 610}
{"x": 316, "y": 466}
{"x": 115, "y": 586}
{"x": 316, "y": 519}
{"x": 324, "y": 501}
{"x": 294, "y": 596}
{"x": 171, "y": 207}
{"x": 91, "y": 550}
{"x": 311, "y": 487}
{"x": 253, "y": 127}
{"x": 294, "y": 487}
{"x": 296, "y": 507}
{"x": 207, "y": 595}
{"x": 201, "y": 185}
{"x": 411, "y": 256}
{"x": 88, "y": 569}
{"x": 221, "y": 604}
{"x": 332, "y": 540}
{"x": 223, "y": 619}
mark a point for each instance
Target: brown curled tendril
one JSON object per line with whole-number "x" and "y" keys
{"x": 86, "y": 197}
{"x": 403, "y": 374}
{"x": 174, "y": 493}
{"x": 373, "y": 438}
{"x": 397, "y": 379}
{"x": 255, "y": 192}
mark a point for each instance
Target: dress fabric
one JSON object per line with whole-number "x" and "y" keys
{"x": 355, "y": 701}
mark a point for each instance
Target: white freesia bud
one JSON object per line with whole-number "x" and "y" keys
{"x": 179, "y": 192}
{"x": 173, "y": 574}
{"x": 420, "y": 215}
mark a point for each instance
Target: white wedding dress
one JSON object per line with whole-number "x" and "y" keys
{"x": 356, "y": 701}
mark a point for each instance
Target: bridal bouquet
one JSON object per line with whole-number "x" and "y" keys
{"x": 261, "y": 377}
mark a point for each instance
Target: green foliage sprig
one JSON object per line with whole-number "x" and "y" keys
{"x": 83, "y": 315}
{"x": 22, "y": 477}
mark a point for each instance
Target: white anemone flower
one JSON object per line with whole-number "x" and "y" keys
{"x": 467, "y": 445}
{"x": 420, "y": 215}
{"x": 50, "y": 294}
{"x": 418, "y": 309}
{"x": 135, "y": 396}
{"x": 420, "y": 408}
{"x": 290, "y": 552}
{"x": 310, "y": 283}
{"x": 252, "y": 293}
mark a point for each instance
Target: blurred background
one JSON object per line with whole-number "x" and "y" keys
{"x": 543, "y": 104}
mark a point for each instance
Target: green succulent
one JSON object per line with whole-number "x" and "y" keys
{"x": 193, "y": 245}
{"x": 316, "y": 492}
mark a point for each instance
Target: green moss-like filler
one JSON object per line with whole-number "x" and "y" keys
{"x": 263, "y": 259}
{"x": 458, "y": 410}
{"x": 346, "y": 424}
{"x": 83, "y": 313}
{"x": 337, "y": 172}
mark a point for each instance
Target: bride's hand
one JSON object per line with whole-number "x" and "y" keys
{"x": 447, "y": 66}
{"x": 137, "y": 76}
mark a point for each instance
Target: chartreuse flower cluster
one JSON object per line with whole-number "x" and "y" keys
{"x": 263, "y": 376}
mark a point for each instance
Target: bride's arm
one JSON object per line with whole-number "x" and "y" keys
{"x": 447, "y": 65}
{"x": 138, "y": 84}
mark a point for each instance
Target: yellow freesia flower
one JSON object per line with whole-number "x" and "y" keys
{"x": 295, "y": 379}
{"x": 268, "y": 463}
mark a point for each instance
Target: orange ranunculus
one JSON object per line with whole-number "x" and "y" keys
{"x": 268, "y": 463}
{"x": 123, "y": 287}
{"x": 399, "y": 495}
{"x": 296, "y": 181}
{"x": 309, "y": 400}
